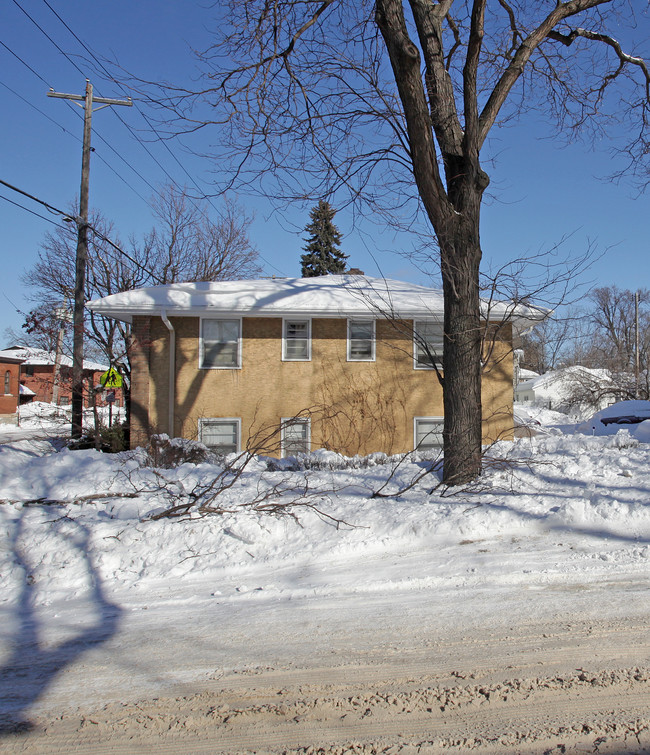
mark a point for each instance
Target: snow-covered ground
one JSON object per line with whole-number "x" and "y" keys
{"x": 101, "y": 602}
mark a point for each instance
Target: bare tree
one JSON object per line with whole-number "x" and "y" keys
{"x": 187, "y": 245}
{"x": 612, "y": 317}
{"x": 184, "y": 245}
{"x": 393, "y": 102}
{"x": 610, "y": 341}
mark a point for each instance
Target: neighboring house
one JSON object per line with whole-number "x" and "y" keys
{"x": 572, "y": 390}
{"x": 280, "y": 366}
{"x": 38, "y": 375}
{"x": 10, "y": 398}
{"x": 525, "y": 374}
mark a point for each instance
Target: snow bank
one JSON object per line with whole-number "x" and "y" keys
{"x": 595, "y": 488}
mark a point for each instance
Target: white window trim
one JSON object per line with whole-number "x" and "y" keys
{"x": 415, "y": 429}
{"x": 373, "y": 350}
{"x": 239, "y": 344}
{"x": 207, "y": 420}
{"x": 294, "y": 421}
{"x": 285, "y": 320}
{"x": 417, "y": 366}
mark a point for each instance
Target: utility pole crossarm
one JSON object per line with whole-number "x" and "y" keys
{"x": 82, "y": 98}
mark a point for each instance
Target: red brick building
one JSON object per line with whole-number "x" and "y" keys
{"x": 9, "y": 398}
{"x": 38, "y": 374}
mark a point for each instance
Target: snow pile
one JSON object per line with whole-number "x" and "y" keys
{"x": 40, "y": 415}
{"x": 88, "y": 569}
{"x": 99, "y": 507}
{"x": 633, "y": 416}
{"x": 531, "y": 415}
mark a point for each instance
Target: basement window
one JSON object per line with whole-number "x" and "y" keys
{"x": 296, "y": 436}
{"x": 221, "y": 435}
{"x": 428, "y": 433}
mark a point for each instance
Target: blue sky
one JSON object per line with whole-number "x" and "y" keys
{"x": 540, "y": 191}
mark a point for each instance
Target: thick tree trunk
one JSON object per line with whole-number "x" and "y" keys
{"x": 460, "y": 252}
{"x": 462, "y": 361}
{"x": 453, "y": 211}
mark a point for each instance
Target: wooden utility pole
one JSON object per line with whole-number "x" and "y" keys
{"x": 82, "y": 250}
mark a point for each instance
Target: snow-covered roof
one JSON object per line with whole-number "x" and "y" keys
{"x": 25, "y": 391}
{"x": 324, "y": 296}
{"x": 9, "y": 358}
{"x": 39, "y": 357}
{"x": 556, "y": 383}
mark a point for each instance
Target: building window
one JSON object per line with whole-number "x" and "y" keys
{"x": 7, "y": 383}
{"x": 428, "y": 433}
{"x": 296, "y": 340}
{"x": 428, "y": 342}
{"x": 28, "y": 369}
{"x": 220, "y": 344}
{"x": 220, "y": 435}
{"x": 361, "y": 340}
{"x": 296, "y": 436}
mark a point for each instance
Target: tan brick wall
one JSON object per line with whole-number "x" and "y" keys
{"x": 139, "y": 354}
{"x": 497, "y": 386}
{"x": 356, "y": 407}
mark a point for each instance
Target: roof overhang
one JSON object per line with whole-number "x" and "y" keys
{"x": 325, "y": 296}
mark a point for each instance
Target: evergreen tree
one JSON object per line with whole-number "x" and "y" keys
{"x": 322, "y": 255}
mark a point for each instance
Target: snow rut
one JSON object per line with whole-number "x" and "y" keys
{"x": 603, "y": 711}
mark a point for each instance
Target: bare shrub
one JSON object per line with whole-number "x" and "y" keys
{"x": 164, "y": 452}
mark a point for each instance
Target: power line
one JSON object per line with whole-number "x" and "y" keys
{"x": 63, "y": 128}
{"x": 38, "y": 75}
{"x": 152, "y": 128}
{"x": 38, "y": 110}
{"x": 38, "y": 215}
{"x": 125, "y": 254}
{"x": 202, "y": 195}
{"x": 91, "y": 227}
{"x": 111, "y": 78}
{"x": 45, "y": 204}
{"x": 77, "y": 113}
{"x": 65, "y": 54}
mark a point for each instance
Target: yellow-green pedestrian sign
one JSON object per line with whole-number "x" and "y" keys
{"x": 111, "y": 378}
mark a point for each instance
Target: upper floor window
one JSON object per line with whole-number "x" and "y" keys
{"x": 28, "y": 369}
{"x": 428, "y": 433}
{"x": 7, "y": 383}
{"x": 296, "y": 340}
{"x": 361, "y": 340}
{"x": 296, "y": 436}
{"x": 220, "y": 344}
{"x": 222, "y": 435}
{"x": 428, "y": 341}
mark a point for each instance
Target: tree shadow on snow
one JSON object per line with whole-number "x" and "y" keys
{"x": 32, "y": 664}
